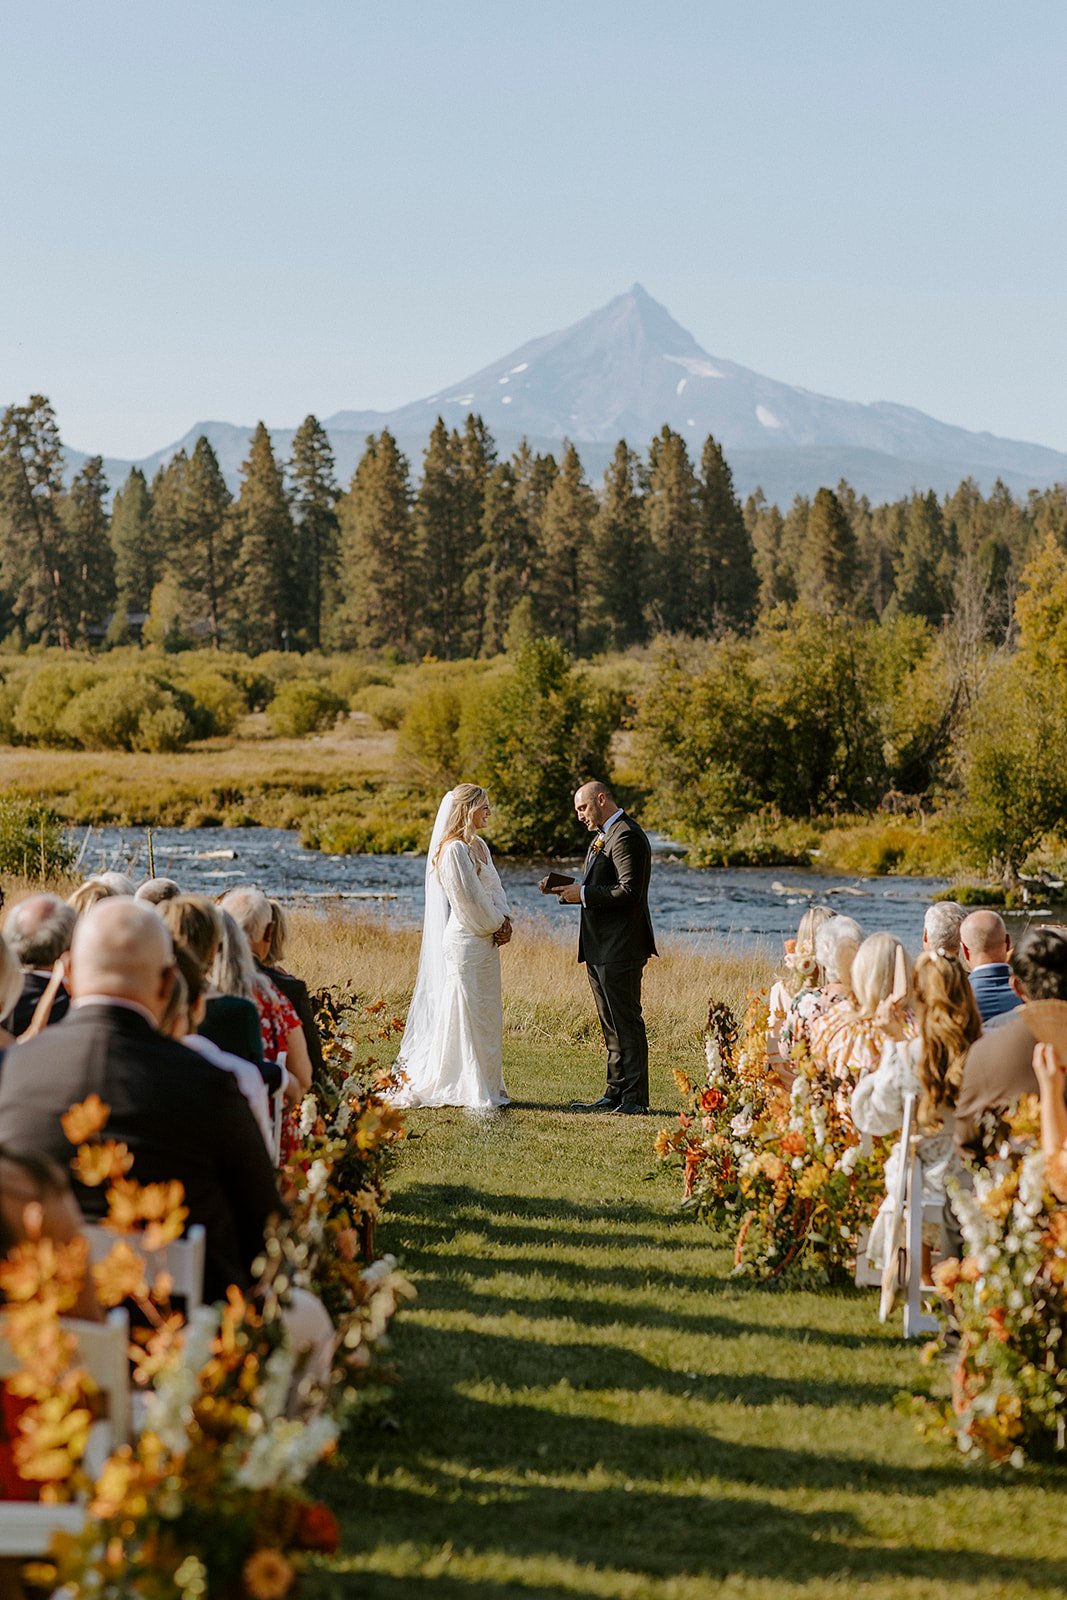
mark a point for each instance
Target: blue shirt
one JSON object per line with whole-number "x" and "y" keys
{"x": 993, "y": 990}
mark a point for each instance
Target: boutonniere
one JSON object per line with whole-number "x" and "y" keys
{"x": 598, "y": 844}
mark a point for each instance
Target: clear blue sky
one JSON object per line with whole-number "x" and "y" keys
{"x": 246, "y": 209}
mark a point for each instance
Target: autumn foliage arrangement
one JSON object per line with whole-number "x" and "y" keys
{"x": 781, "y": 1169}
{"x": 209, "y": 1498}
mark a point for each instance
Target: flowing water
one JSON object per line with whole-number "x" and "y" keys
{"x": 742, "y": 907}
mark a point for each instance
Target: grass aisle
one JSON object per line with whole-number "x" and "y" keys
{"x": 591, "y": 1406}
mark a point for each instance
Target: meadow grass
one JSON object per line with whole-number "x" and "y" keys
{"x": 589, "y": 1404}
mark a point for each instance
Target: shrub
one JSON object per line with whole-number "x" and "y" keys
{"x": 32, "y": 841}
{"x": 41, "y": 707}
{"x": 302, "y": 706}
{"x": 217, "y": 698}
{"x": 385, "y": 704}
{"x": 349, "y": 678}
{"x": 123, "y": 712}
{"x": 429, "y": 734}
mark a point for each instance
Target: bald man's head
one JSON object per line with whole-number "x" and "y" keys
{"x": 984, "y": 939}
{"x": 123, "y": 949}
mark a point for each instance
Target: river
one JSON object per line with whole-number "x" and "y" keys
{"x": 741, "y": 907}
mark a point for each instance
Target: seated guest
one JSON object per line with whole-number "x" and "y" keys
{"x": 986, "y": 945}
{"x": 87, "y": 895}
{"x": 802, "y": 970}
{"x": 999, "y": 1068}
{"x": 115, "y": 882}
{"x": 156, "y": 890}
{"x": 294, "y": 989}
{"x": 283, "y": 1037}
{"x": 10, "y": 987}
{"x": 930, "y": 1066}
{"x": 180, "y": 1117}
{"x": 849, "y": 1039}
{"x": 36, "y": 1201}
{"x": 941, "y": 928}
{"x": 836, "y": 943}
{"x": 231, "y": 1018}
{"x": 39, "y": 931}
{"x": 184, "y": 1010}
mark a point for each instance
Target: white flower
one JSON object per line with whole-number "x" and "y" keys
{"x": 712, "y": 1057}
{"x": 286, "y": 1452}
{"x": 318, "y": 1176}
{"x": 741, "y": 1123}
{"x": 309, "y": 1111}
{"x": 849, "y": 1159}
{"x": 343, "y": 1117}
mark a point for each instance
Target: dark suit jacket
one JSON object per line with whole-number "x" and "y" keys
{"x": 180, "y": 1117}
{"x": 998, "y": 1071}
{"x": 34, "y": 985}
{"x": 615, "y": 928}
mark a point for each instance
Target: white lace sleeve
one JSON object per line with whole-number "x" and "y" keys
{"x": 878, "y": 1098}
{"x": 472, "y": 905}
{"x": 491, "y": 881}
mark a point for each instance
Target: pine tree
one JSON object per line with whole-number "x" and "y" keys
{"x": 620, "y": 565}
{"x": 506, "y": 556}
{"x": 165, "y": 493}
{"x": 314, "y": 509}
{"x": 92, "y": 561}
{"x": 730, "y": 584}
{"x": 920, "y": 586}
{"x": 766, "y": 529}
{"x": 377, "y": 552}
{"x": 570, "y": 510}
{"x": 270, "y": 583}
{"x": 35, "y": 557}
{"x": 826, "y": 575}
{"x": 875, "y": 571}
{"x": 137, "y": 550}
{"x": 672, "y": 520}
{"x": 477, "y": 459}
{"x": 440, "y": 532}
{"x": 207, "y": 553}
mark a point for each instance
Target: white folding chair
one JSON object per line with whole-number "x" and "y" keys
{"x": 277, "y": 1118}
{"x": 182, "y": 1260}
{"x": 27, "y": 1526}
{"x": 904, "y": 1246}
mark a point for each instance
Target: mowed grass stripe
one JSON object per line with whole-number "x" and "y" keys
{"x": 590, "y": 1405}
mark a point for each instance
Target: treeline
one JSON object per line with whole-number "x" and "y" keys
{"x": 480, "y": 552}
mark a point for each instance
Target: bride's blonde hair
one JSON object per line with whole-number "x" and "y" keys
{"x": 467, "y": 798}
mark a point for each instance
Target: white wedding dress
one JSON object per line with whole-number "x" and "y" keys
{"x": 452, "y": 1050}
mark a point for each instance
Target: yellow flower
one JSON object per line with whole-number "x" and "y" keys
{"x": 85, "y": 1119}
{"x": 682, "y": 1083}
{"x": 120, "y": 1276}
{"x": 811, "y": 1181}
{"x": 267, "y": 1575}
{"x": 663, "y": 1143}
{"x": 96, "y": 1164}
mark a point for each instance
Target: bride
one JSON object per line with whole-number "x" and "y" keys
{"x": 452, "y": 1050}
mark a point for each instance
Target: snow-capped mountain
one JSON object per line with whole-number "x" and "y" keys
{"x": 628, "y": 368}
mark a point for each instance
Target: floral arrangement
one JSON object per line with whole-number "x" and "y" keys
{"x": 344, "y": 1139}
{"x": 209, "y": 1497}
{"x": 1006, "y": 1331}
{"x": 782, "y": 1169}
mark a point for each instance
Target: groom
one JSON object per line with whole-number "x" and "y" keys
{"x": 614, "y": 941}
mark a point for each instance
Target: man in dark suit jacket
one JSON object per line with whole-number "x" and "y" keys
{"x": 615, "y": 939}
{"x": 180, "y": 1117}
{"x": 39, "y": 930}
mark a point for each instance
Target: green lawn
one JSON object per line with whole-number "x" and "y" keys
{"x": 590, "y": 1405}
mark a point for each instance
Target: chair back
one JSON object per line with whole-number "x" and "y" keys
{"x": 182, "y": 1260}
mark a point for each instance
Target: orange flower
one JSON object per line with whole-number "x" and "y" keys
{"x": 318, "y": 1529}
{"x": 793, "y": 1143}
{"x": 712, "y": 1099}
{"x": 120, "y": 1276}
{"x": 663, "y": 1143}
{"x": 96, "y": 1164}
{"x": 947, "y": 1275}
{"x": 682, "y": 1082}
{"x": 267, "y": 1575}
{"x": 84, "y": 1119}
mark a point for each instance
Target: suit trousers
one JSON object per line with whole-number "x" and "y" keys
{"x": 617, "y": 993}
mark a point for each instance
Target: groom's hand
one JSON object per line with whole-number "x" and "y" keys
{"x": 571, "y": 895}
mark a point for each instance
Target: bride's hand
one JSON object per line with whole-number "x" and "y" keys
{"x": 503, "y": 933}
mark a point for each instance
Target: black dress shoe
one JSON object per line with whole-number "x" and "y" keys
{"x": 606, "y": 1102}
{"x": 629, "y": 1108}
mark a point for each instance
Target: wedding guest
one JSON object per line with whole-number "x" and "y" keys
{"x": 184, "y": 1012}
{"x": 39, "y": 931}
{"x": 930, "y": 1066}
{"x": 941, "y": 927}
{"x": 294, "y": 988}
{"x": 999, "y": 1069}
{"x": 986, "y": 946}
{"x": 802, "y": 970}
{"x": 10, "y": 987}
{"x": 180, "y": 1117}
{"x": 157, "y": 890}
{"x": 1050, "y": 1070}
{"x": 231, "y": 1018}
{"x": 283, "y": 1037}
{"x": 89, "y": 894}
{"x": 849, "y": 1039}
{"x": 117, "y": 882}
{"x": 836, "y": 943}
